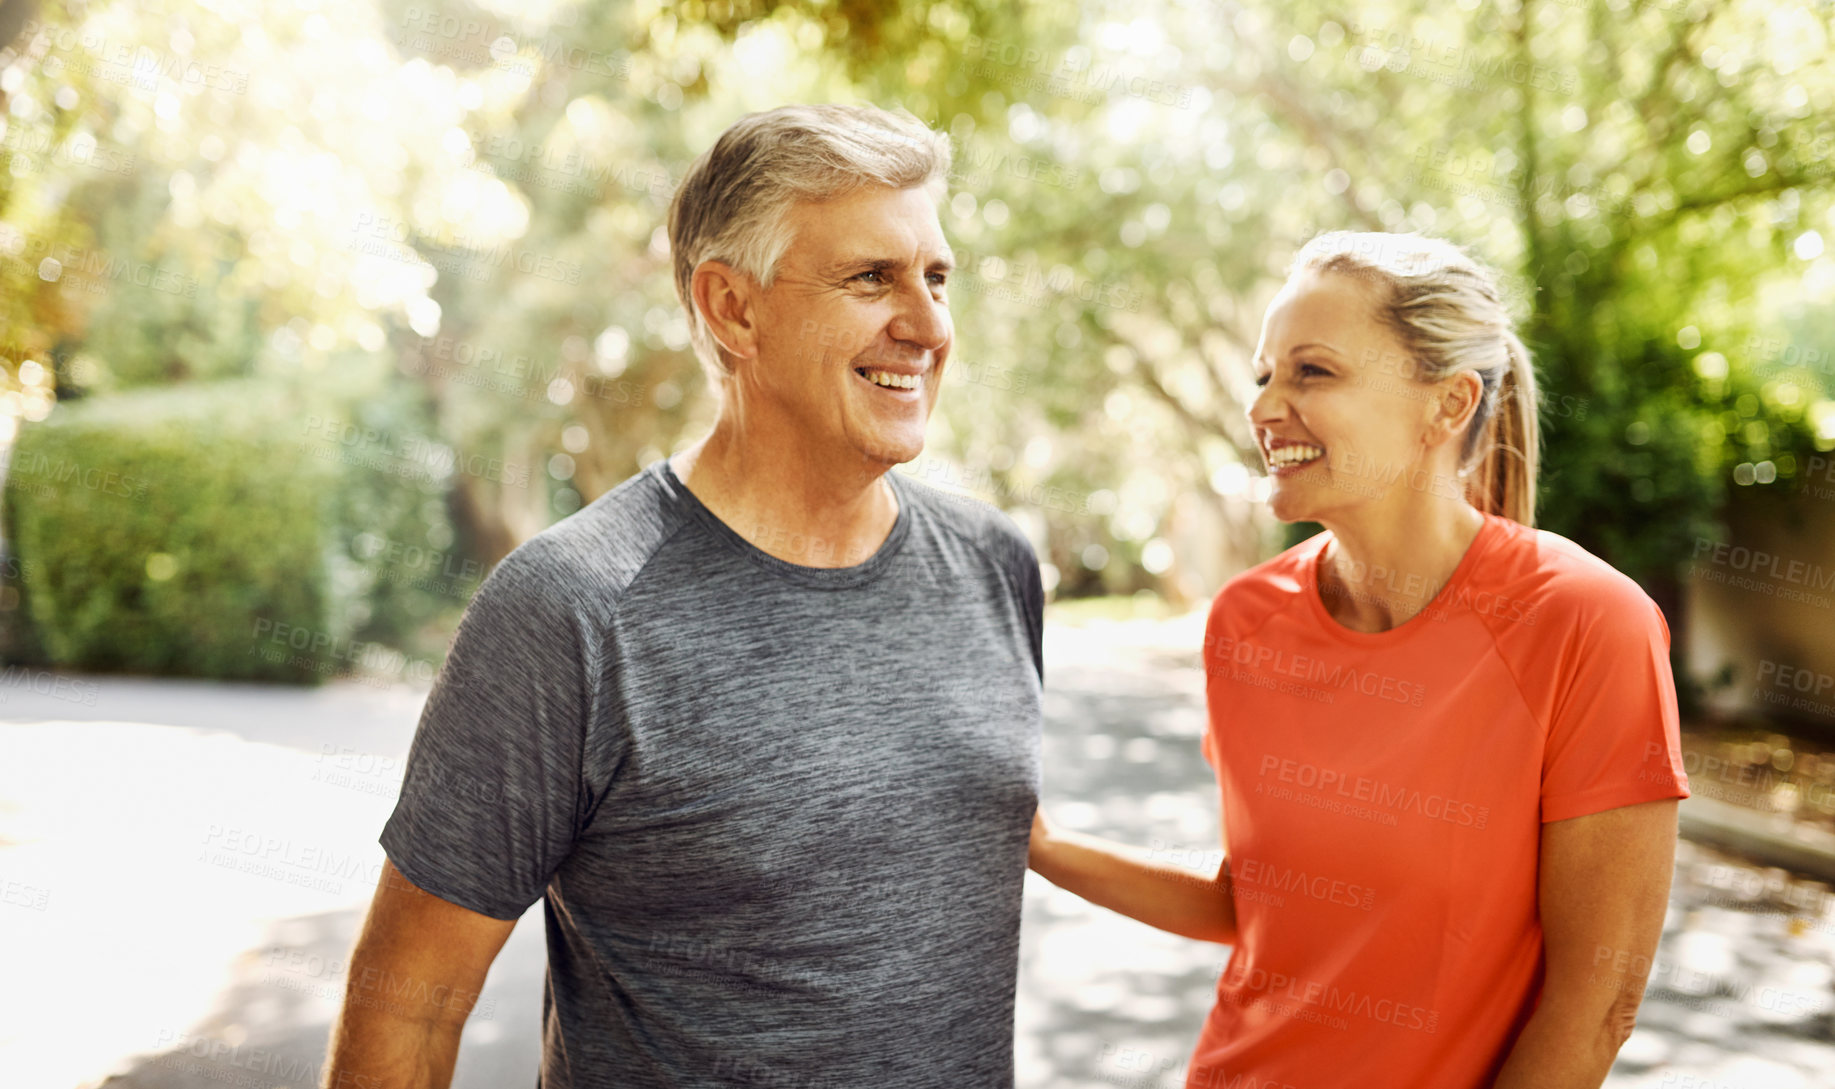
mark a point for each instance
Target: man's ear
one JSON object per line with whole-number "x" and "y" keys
{"x": 727, "y": 300}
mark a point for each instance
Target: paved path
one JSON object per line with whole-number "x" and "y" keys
{"x": 210, "y": 849}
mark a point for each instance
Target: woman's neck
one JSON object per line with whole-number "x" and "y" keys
{"x": 1380, "y": 569}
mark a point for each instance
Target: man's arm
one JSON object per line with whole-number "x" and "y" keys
{"x": 1604, "y": 886}
{"x": 415, "y": 974}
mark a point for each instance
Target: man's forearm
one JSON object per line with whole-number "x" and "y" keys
{"x": 1112, "y": 875}
{"x": 376, "y": 1048}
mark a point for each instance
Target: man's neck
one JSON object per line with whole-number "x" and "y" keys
{"x": 802, "y": 506}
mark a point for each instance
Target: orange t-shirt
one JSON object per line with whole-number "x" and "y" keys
{"x": 1383, "y": 795}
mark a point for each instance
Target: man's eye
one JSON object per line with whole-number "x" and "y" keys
{"x": 939, "y": 278}
{"x": 873, "y": 272}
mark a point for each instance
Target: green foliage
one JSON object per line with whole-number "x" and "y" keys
{"x": 1130, "y": 182}
{"x": 181, "y": 532}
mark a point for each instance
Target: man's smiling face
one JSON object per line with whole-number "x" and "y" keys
{"x": 854, "y": 332}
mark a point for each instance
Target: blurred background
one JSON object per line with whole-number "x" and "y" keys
{"x": 310, "y": 312}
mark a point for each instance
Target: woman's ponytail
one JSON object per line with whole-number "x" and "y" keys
{"x": 1504, "y": 480}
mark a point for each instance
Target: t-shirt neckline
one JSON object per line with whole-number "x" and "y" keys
{"x": 1462, "y": 571}
{"x": 831, "y": 578}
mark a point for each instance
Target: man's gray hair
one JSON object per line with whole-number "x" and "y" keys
{"x": 733, "y": 202}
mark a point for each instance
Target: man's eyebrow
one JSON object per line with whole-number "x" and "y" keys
{"x": 861, "y": 263}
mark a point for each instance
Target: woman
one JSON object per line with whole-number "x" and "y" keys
{"x": 1446, "y": 741}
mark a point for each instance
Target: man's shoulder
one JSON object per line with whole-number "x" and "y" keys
{"x": 596, "y": 552}
{"x": 972, "y": 520}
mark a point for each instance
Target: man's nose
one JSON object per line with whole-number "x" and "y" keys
{"x": 921, "y": 321}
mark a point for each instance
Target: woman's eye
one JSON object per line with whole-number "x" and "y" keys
{"x": 1312, "y": 369}
{"x": 1262, "y": 379}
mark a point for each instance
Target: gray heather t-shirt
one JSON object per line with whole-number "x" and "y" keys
{"x": 779, "y": 812}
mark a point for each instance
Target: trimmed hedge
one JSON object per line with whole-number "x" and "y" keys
{"x": 220, "y": 530}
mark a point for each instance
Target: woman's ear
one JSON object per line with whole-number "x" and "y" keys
{"x": 727, "y": 301}
{"x": 1457, "y": 404}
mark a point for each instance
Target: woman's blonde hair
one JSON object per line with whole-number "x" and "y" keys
{"x": 1447, "y": 310}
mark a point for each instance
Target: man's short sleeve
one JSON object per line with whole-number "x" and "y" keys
{"x": 1613, "y": 739}
{"x": 1023, "y": 574}
{"x": 492, "y": 798}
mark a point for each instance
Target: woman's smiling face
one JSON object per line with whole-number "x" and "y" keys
{"x": 1341, "y": 421}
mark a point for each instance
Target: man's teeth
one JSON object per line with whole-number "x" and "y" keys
{"x": 1292, "y": 454}
{"x": 894, "y": 381}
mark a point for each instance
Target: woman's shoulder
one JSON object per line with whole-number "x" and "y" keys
{"x": 1563, "y": 581}
{"x": 1253, "y": 593}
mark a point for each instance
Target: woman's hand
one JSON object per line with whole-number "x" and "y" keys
{"x": 1041, "y": 840}
{"x": 1130, "y": 881}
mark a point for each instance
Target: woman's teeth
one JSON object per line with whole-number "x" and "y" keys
{"x": 1293, "y": 454}
{"x": 893, "y": 381}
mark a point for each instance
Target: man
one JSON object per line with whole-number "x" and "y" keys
{"x": 761, "y": 723}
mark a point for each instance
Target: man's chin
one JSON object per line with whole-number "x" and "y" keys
{"x": 886, "y": 451}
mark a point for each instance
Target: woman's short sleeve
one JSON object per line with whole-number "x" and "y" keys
{"x": 1614, "y": 738}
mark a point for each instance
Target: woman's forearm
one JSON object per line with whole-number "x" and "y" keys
{"x": 1562, "y": 1046}
{"x": 1123, "y": 879}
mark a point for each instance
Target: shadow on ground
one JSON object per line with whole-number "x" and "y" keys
{"x": 273, "y": 1020}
